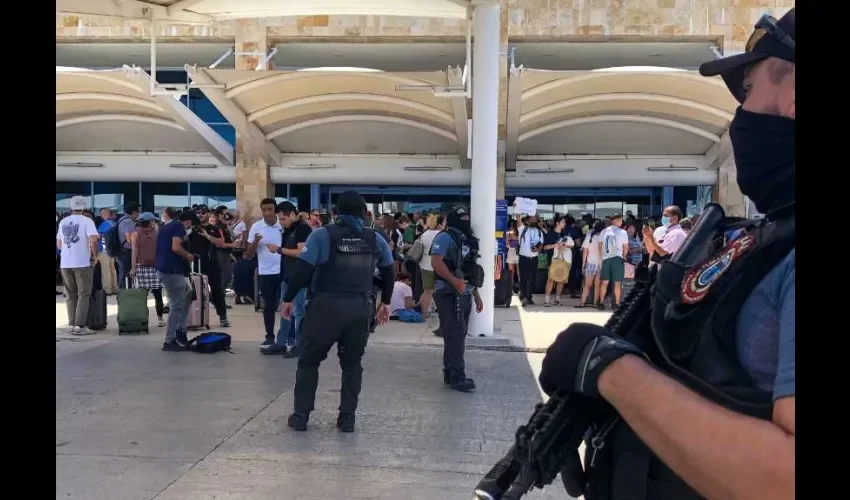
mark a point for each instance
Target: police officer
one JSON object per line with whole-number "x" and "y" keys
{"x": 453, "y": 255}
{"x": 705, "y": 400}
{"x": 337, "y": 262}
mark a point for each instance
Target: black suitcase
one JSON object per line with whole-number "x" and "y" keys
{"x": 504, "y": 292}
{"x": 96, "y": 319}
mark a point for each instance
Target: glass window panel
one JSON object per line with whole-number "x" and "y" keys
{"x": 605, "y": 207}
{"x": 115, "y": 195}
{"x": 67, "y": 190}
{"x": 301, "y": 192}
{"x": 158, "y": 195}
{"x": 213, "y": 194}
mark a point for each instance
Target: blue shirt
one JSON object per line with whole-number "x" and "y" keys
{"x": 444, "y": 246}
{"x": 167, "y": 261}
{"x": 766, "y": 331}
{"x": 316, "y": 249}
{"x": 102, "y": 229}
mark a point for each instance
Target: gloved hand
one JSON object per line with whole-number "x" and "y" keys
{"x": 578, "y": 356}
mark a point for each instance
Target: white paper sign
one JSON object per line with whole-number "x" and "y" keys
{"x": 525, "y": 206}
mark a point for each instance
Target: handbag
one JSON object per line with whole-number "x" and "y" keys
{"x": 416, "y": 251}
{"x": 559, "y": 271}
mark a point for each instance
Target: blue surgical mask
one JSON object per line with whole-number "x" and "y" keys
{"x": 665, "y": 221}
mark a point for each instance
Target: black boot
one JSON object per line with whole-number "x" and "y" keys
{"x": 345, "y": 422}
{"x": 298, "y": 421}
{"x": 462, "y": 384}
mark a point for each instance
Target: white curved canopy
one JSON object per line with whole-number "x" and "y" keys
{"x": 113, "y": 111}
{"x": 632, "y": 111}
{"x": 334, "y": 111}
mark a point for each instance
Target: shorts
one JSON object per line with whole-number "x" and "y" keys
{"x": 591, "y": 269}
{"x": 613, "y": 269}
{"x": 513, "y": 258}
{"x": 427, "y": 279}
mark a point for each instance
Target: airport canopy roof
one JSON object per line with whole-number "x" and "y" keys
{"x": 114, "y": 111}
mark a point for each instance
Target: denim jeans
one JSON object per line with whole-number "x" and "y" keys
{"x": 179, "y": 301}
{"x": 289, "y": 333}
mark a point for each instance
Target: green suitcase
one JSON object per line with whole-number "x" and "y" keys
{"x": 132, "y": 311}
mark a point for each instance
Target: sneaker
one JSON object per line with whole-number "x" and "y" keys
{"x": 274, "y": 350}
{"x": 600, "y": 306}
{"x": 298, "y": 421}
{"x": 345, "y": 422}
{"x": 160, "y": 322}
{"x": 83, "y": 331}
{"x": 172, "y": 346}
{"x": 293, "y": 352}
{"x": 72, "y": 330}
{"x": 546, "y": 303}
{"x": 557, "y": 302}
{"x": 182, "y": 338}
{"x": 523, "y": 302}
{"x": 225, "y": 322}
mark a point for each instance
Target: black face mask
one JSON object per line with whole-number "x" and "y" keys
{"x": 464, "y": 226}
{"x": 765, "y": 158}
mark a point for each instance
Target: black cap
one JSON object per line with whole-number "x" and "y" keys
{"x": 771, "y": 38}
{"x": 351, "y": 203}
{"x": 456, "y": 215}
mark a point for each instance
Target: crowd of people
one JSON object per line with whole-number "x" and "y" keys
{"x": 588, "y": 257}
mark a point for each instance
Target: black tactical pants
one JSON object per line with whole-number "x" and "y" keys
{"x": 333, "y": 319}
{"x": 453, "y": 311}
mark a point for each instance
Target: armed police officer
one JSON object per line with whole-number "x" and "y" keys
{"x": 453, "y": 255}
{"x": 337, "y": 262}
{"x": 704, "y": 400}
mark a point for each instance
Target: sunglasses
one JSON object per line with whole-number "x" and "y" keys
{"x": 767, "y": 25}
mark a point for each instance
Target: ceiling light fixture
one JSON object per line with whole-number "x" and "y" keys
{"x": 80, "y": 164}
{"x": 193, "y": 165}
{"x": 312, "y": 166}
{"x": 672, "y": 168}
{"x": 549, "y": 170}
{"x": 427, "y": 168}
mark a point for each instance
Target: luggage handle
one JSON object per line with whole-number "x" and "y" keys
{"x": 196, "y": 259}
{"x": 127, "y": 282}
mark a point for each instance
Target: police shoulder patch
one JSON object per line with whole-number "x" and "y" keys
{"x": 698, "y": 281}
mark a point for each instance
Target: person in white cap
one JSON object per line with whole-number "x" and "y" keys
{"x": 77, "y": 240}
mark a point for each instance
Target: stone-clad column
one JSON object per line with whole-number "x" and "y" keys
{"x": 252, "y": 172}
{"x": 726, "y": 191}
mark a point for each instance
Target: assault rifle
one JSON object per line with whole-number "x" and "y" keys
{"x": 547, "y": 444}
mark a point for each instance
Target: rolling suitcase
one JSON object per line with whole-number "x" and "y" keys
{"x": 199, "y": 310}
{"x": 132, "y": 310}
{"x": 504, "y": 292}
{"x": 96, "y": 318}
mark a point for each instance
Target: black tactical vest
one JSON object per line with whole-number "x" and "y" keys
{"x": 351, "y": 262}
{"x": 453, "y": 260}
{"x": 692, "y": 339}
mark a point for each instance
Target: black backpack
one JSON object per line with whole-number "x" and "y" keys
{"x": 210, "y": 342}
{"x": 112, "y": 240}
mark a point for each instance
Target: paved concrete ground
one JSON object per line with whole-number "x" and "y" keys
{"x": 133, "y": 422}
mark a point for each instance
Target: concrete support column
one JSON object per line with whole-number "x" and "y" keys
{"x": 485, "y": 123}
{"x": 315, "y": 197}
{"x": 726, "y": 192}
{"x": 252, "y": 172}
{"x": 503, "y": 99}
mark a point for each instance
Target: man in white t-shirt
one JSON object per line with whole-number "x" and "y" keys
{"x": 615, "y": 248}
{"x": 77, "y": 240}
{"x": 530, "y": 245}
{"x": 267, "y": 231}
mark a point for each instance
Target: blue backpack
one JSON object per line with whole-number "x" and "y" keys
{"x": 210, "y": 342}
